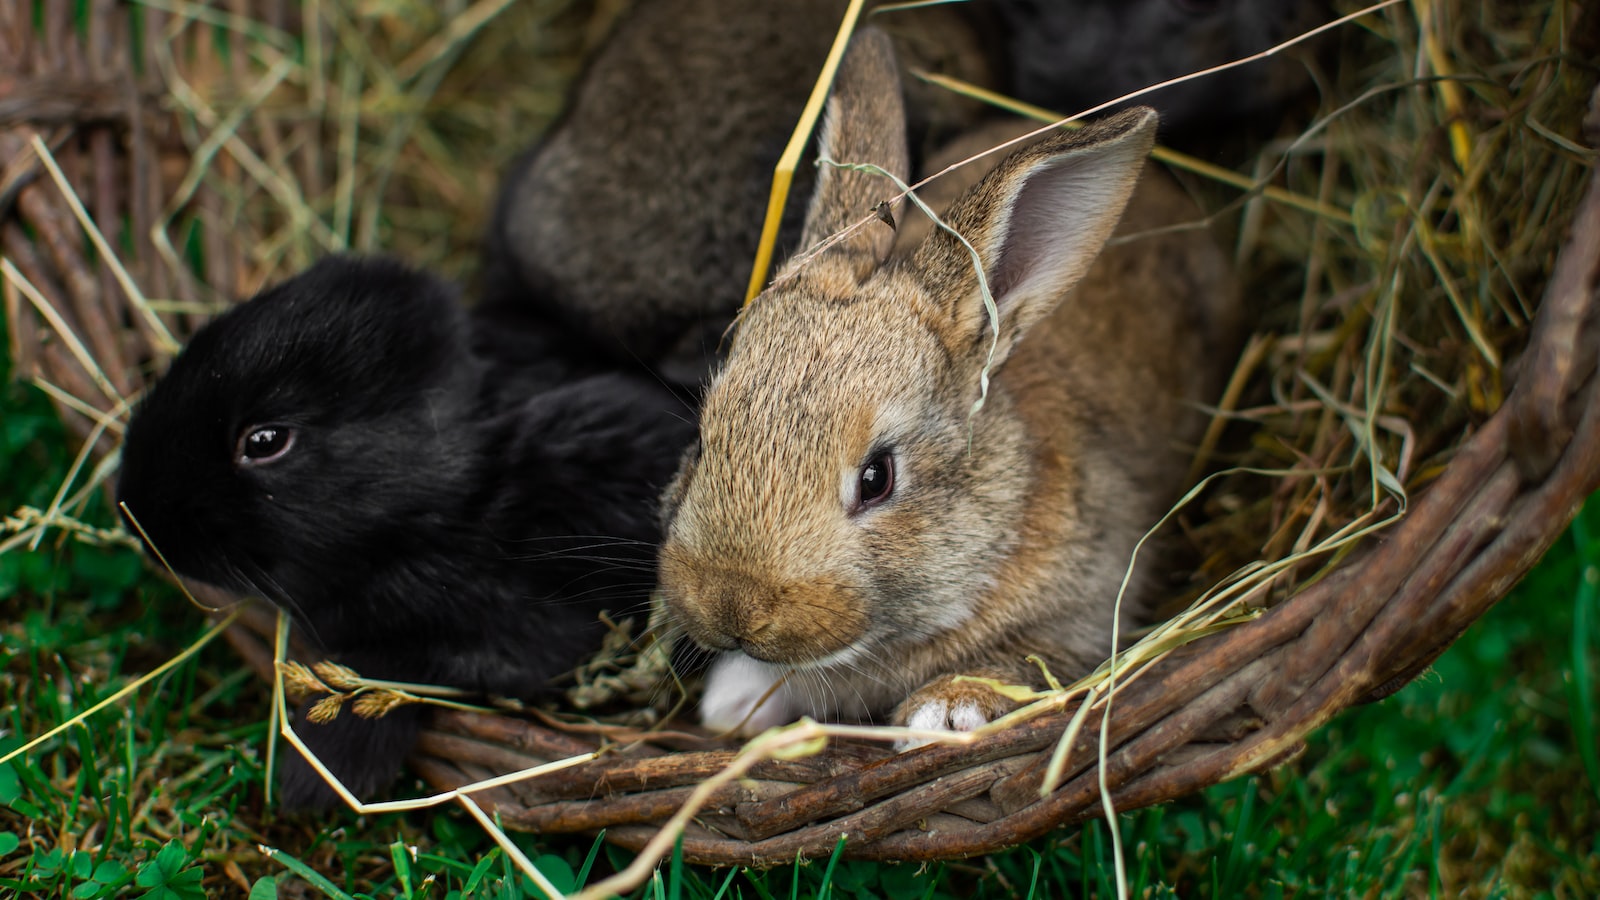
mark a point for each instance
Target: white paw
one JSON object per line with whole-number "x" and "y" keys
{"x": 734, "y": 687}
{"x": 941, "y": 715}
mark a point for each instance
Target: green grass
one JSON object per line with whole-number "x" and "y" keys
{"x": 1479, "y": 780}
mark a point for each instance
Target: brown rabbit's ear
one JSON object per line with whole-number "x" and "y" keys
{"x": 1037, "y": 223}
{"x": 864, "y": 123}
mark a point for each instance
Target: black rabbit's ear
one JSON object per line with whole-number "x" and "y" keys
{"x": 347, "y": 337}
{"x": 374, "y": 298}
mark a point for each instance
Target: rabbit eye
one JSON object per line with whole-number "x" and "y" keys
{"x": 876, "y": 481}
{"x": 264, "y": 444}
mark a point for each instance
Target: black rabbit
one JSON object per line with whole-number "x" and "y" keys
{"x": 1069, "y": 55}
{"x": 434, "y": 496}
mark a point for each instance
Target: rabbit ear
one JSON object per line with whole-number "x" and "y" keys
{"x": 1037, "y": 222}
{"x": 864, "y": 124}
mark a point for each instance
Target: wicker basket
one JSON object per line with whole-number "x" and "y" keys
{"x": 1238, "y": 702}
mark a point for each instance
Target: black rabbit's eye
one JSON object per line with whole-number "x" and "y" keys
{"x": 264, "y": 444}
{"x": 1198, "y": 7}
{"x": 876, "y": 480}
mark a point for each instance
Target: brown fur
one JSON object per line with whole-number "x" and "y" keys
{"x": 1009, "y": 530}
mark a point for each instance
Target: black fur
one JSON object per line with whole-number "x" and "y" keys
{"x": 1070, "y": 55}
{"x": 462, "y": 498}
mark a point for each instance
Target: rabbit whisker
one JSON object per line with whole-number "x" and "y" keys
{"x": 604, "y": 539}
{"x": 617, "y": 562}
{"x": 265, "y": 585}
{"x": 583, "y": 597}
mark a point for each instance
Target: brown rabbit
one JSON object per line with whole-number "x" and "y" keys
{"x": 849, "y": 525}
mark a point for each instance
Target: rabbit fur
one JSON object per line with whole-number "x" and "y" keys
{"x": 1006, "y": 531}
{"x": 636, "y": 218}
{"x": 1071, "y": 55}
{"x": 457, "y": 502}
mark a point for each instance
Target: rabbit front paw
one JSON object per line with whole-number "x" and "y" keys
{"x": 949, "y": 705}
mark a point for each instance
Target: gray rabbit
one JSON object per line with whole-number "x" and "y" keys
{"x": 636, "y": 220}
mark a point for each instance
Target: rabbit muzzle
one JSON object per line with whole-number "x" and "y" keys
{"x": 792, "y": 623}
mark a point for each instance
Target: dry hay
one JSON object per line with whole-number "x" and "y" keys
{"x": 1385, "y": 344}
{"x": 1388, "y": 336}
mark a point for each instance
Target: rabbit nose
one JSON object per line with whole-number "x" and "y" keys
{"x": 756, "y": 642}
{"x": 730, "y": 616}
{"x": 755, "y": 636}
{"x": 717, "y": 626}
{"x": 715, "y": 639}
{"x": 742, "y": 633}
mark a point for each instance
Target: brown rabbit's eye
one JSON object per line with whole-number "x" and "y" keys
{"x": 877, "y": 480}
{"x": 264, "y": 443}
